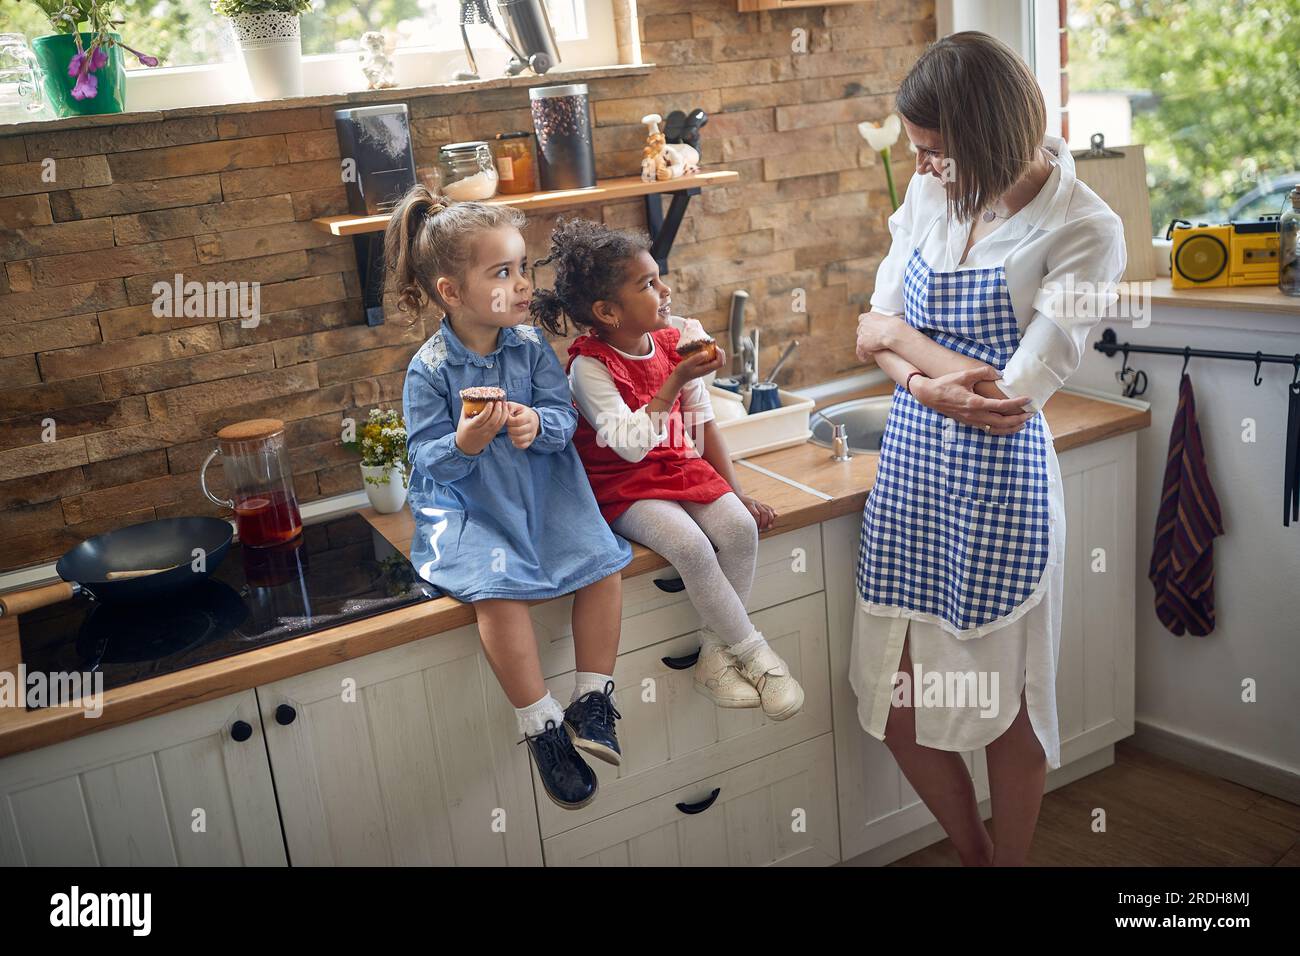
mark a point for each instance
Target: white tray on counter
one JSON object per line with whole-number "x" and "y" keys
{"x": 748, "y": 435}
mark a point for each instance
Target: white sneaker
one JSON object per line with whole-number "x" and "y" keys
{"x": 717, "y": 677}
{"x": 780, "y": 694}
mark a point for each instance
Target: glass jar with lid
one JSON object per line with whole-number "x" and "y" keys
{"x": 516, "y": 159}
{"x": 467, "y": 171}
{"x": 1288, "y": 274}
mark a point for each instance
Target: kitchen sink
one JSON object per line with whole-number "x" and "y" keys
{"x": 864, "y": 419}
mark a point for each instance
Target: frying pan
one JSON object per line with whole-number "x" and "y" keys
{"x": 137, "y": 563}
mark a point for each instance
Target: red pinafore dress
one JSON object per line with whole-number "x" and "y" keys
{"x": 673, "y": 470}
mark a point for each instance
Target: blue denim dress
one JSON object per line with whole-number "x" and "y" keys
{"x": 503, "y": 523}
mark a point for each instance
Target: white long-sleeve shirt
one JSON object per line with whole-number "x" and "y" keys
{"x": 1063, "y": 254}
{"x": 632, "y": 434}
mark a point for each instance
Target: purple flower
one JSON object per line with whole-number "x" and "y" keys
{"x": 77, "y": 65}
{"x": 86, "y": 87}
{"x": 144, "y": 58}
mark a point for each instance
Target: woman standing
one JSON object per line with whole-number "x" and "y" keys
{"x": 1000, "y": 263}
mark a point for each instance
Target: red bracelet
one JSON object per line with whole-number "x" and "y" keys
{"x": 907, "y": 385}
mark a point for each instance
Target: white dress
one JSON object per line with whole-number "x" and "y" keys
{"x": 1062, "y": 253}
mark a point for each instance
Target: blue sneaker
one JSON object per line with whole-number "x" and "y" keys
{"x": 567, "y": 779}
{"x": 590, "y": 722}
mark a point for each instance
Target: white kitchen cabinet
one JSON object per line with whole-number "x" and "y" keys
{"x": 1095, "y": 673}
{"x": 672, "y": 735}
{"x": 777, "y": 810}
{"x": 176, "y": 789}
{"x": 405, "y": 756}
{"x": 789, "y": 565}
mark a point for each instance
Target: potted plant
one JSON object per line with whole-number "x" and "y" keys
{"x": 270, "y": 41}
{"x": 382, "y": 446}
{"x": 83, "y": 71}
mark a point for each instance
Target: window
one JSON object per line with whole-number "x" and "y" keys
{"x": 190, "y": 39}
{"x": 1209, "y": 87}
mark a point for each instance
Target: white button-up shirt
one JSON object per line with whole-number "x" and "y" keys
{"x": 1063, "y": 254}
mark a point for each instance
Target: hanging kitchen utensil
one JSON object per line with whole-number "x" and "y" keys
{"x": 1291, "y": 467}
{"x": 170, "y": 547}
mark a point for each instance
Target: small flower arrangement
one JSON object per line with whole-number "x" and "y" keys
{"x": 382, "y": 444}
{"x": 880, "y": 137}
{"x": 237, "y": 8}
{"x": 66, "y": 16}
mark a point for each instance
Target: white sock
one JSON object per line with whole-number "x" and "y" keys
{"x": 746, "y": 649}
{"x": 587, "y": 681}
{"x": 532, "y": 719}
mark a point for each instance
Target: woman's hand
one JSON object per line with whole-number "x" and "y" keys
{"x": 953, "y": 396}
{"x": 475, "y": 434}
{"x": 523, "y": 424}
{"x": 876, "y": 333}
{"x": 763, "y": 514}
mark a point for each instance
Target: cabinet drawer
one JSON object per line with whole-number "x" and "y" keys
{"x": 778, "y": 810}
{"x": 789, "y": 566}
{"x": 671, "y": 735}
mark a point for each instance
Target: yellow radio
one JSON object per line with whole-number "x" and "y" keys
{"x": 1234, "y": 253}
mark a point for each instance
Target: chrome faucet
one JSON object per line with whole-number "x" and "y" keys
{"x": 839, "y": 438}
{"x": 744, "y": 351}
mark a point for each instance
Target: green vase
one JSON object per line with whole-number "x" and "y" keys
{"x": 55, "y": 51}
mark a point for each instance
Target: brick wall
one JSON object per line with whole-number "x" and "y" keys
{"x": 135, "y": 399}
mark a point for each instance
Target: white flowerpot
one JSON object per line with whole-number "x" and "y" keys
{"x": 384, "y": 487}
{"x": 271, "y": 46}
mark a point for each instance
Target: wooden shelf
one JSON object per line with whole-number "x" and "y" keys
{"x": 1236, "y": 298}
{"x": 606, "y": 190}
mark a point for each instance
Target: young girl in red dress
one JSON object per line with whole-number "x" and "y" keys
{"x": 639, "y": 401}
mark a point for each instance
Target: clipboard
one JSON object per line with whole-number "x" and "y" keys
{"x": 1119, "y": 177}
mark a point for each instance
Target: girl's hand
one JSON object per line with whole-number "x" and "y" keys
{"x": 523, "y": 424}
{"x": 698, "y": 365}
{"x": 953, "y": 396}
{"x": 475, "y": 434}
{"x": 763, "y": 514}
{"x": 876, "y": 333}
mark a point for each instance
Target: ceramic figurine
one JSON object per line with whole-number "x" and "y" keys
{"x": 661, "y": 160}
{"x": 375, "y": 62}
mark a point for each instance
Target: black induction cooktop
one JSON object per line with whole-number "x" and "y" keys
{"x": 336, "y": 571}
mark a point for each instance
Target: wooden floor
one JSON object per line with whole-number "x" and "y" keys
{"x": 1158, "y": 813}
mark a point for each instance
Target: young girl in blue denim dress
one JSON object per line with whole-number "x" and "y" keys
{"x": 503, "y": 510}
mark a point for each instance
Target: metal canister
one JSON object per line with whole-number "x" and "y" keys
{"x": 566, "y": 158}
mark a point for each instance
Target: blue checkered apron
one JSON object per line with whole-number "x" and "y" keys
{"x": 956, "y": 525}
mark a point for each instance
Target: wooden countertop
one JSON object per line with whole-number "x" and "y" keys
{"x": 840, "y": 488}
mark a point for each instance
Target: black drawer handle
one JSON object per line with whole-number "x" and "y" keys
{"x": 671, "y": 585}
{"x": 241, "y": 730}
{"x": 681, "y": 663}
{"x": 702, "y": 805}
{"x": 285, "y": 715}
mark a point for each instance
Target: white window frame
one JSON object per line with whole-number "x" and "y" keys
{"x": 212, "y": 84}
{"x": 1030, "y": 27}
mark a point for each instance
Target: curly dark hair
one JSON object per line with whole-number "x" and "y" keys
{"x": 590, "y": 263}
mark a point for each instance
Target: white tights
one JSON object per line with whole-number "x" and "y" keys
{"x": 685, "y": 533}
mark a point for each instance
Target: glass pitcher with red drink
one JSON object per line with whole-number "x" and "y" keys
{"x": 256, "y": 463}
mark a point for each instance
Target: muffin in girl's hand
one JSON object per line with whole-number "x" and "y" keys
{"x": 476, "y": 398}
{"x": 695, "y": 339}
